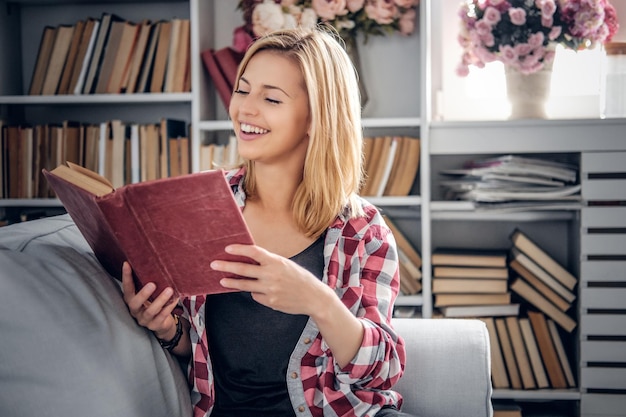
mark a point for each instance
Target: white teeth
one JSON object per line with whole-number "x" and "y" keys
{"x": 252, "y": 129}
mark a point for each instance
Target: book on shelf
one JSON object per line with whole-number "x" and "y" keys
{"x": 539, "y": 285}
{"x": 222, "y": 65}
{"x": 92, "y": 136}
{"x": 539, "y": 372}
{"x": 168, "y": 229}
{"x": 492, "y": 258}
{"x": 70, "y": 61}
{"x": 371, "y": 150}
{"x": 122, "y": 59}
{"x": 484, "y": 310}
{"x": 159, "y": 66}
{"x": 468, "y": 286}
{"x": 390, "y": 164}
{"x": 145, "y": 72}
{"x": 43, "y": 58}
{"x": 532, "y": 296}
{"x": 508, "y": 354}
{"x": 73, "y": 139}
{"x": 178, "y": 56}
{"x": 444, "y": 300}
{"x": 526, "y": 245}
{"x": 95, "y": 60}
{"x": 561, "y": 353}
{"x": 499, "y": 376}
{"x": 137, "y": 57}
{"x": 169, "y": 129}
{"x": 113, "y": 55}
{"x": 183, "y": 60}
{"x": 542, "y": 275}
{"x": 519, "y": 351}
{"x": 402, "y": 178}
{"x": 441, "y": 271}
{"x": 83, "y": 55}
{"x": 389, "y": 156}
{"x": 58, "y": 57}
{"x": 547, "y": 349}
{"x": 150, "y": 154}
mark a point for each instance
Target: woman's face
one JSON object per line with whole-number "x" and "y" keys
{"x": 270, "y": 110}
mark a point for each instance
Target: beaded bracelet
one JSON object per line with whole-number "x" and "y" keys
{"x": 170, "y": 345}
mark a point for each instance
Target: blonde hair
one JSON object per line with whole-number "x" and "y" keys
{"x": 333, "y": 167}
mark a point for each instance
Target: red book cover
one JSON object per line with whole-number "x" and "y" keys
{"x": 222, "y": 67}
{"x": 169, "y": 229}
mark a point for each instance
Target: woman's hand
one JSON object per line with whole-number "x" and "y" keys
{"x": 276, "y": 282}
{"x": 155, "y": 315}
{"x": 283, "y": 285}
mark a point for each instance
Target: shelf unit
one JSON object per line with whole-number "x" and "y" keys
{"x": 426, "y": 221}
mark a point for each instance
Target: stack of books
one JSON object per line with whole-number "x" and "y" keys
{"x": 525, "y": 308}
{"x": 513, "y": 182}
{"x": 471, "y": 283}
{"x": 112, "y": 55}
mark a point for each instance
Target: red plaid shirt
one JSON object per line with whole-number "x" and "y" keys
{"x": 361, "y": 264}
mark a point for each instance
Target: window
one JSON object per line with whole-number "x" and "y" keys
{"x": 575, "y": 89}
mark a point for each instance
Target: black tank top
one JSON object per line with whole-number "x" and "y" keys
{"x": 250, "y": 346}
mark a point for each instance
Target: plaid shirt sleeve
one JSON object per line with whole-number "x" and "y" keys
{"x": 363, "y": 269}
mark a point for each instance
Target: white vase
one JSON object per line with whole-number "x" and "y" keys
{"x": 528, "y": 93}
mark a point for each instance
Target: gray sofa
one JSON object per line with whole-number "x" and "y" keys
{"x": 69, "y": 348}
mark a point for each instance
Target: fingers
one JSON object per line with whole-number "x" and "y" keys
{"x": 150, "y": 314}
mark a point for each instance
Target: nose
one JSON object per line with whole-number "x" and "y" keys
{"x": 247, "y": 104}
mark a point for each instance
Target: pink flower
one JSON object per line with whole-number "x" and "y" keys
{"x": 517, "y": 15}
{"x": 348, "y": 17}
{"x": 355, "y": 5}
{"x": 555, "y": 32}
{"x": 329, "y": 9}
{"x": 524, "y": 36}
{"x": 492, "y": 16}
{"x": 381, "y": 11}
{"x": 508, "y": 55}
{"x": 407, "y": 22}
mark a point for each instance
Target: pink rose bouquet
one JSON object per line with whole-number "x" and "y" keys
{"x": 348, "y": 17}
{"x": 522, "y": 34}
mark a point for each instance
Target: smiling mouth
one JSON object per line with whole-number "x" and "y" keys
{"x": 246, "y": 128}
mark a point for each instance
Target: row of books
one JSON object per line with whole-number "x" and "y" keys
{"x": 391, "y": 165}
{"x": 514, "y": 182}
{"x": 220, "y": 155}
{"x": 122, "y": 152}
{"x": 505, "y": 287}
{"x": 112, "y": 55}
{"x": 528, "y": 353}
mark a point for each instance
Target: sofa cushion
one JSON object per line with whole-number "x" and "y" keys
{"x": 68, "y": 346}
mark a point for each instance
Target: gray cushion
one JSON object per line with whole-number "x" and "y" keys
{"x": 68, "y": 346}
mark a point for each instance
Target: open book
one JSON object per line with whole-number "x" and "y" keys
{"x": 168, "y": 229}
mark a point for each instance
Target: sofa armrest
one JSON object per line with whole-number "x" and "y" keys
{"x": 448, "y": 369}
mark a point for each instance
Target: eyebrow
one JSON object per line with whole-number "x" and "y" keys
{"x": 266, "y": 86}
